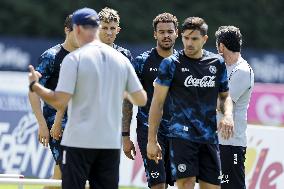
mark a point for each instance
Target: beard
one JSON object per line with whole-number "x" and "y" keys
{"x": 166, "y": 47}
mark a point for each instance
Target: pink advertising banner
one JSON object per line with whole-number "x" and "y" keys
{"x": 267, "y": 105}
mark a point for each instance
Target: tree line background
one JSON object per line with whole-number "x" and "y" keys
{"x": 261, "y": 21}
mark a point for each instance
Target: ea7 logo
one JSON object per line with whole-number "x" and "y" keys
{"x": 235, "y": 159}
{"x": 153, "y": 69}
{"x": 184, "y": 69}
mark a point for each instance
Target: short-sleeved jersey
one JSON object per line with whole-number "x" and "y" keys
{"x": 49, "y": 67}
{"x": 146, "y": 66}
{"x": 194, "y": 85}
{"x": 96, "y": 75}
{"x": 123, "y": 51}
{"x": 241, "y": 82}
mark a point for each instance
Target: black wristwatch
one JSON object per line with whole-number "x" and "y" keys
{"x": 31, "y": 85}
{"x": 125, "y": 133}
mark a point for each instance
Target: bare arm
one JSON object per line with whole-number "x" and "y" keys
{"x": 36, "y": 107}
{"x": 127, "y": 113}
{"x": 155, "y": 116}
{"x": 226, "y": 125}
{"x": 58, "y": 100}
{"x": 128, "y": 146}
{"x": 226, "y": 103}
{"x": 56, "y": 130}
{"x": 43, "y": 132}
{"x": 138, "y": 98}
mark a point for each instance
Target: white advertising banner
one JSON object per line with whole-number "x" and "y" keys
{"x": 264, "y": 161}
{"x": 265, "y": 158}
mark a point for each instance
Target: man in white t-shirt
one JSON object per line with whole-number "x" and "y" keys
{"x": 92, "y": 82}
{"x": 241, "y": 81}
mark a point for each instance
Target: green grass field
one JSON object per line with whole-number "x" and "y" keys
{"x": 40, "y": 187}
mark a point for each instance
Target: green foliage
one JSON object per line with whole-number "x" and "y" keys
{"x": 261, "y": 21}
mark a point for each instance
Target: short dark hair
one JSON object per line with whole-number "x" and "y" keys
{"x": 165, "y": 18}
{"x": 68, "y": 22}
{"x": 195, "y": 23}
{"x": 230, "y": 36}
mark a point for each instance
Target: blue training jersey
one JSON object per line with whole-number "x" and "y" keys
{"x": 49, "y": 66}
{"x": 146, "y": 66}
{"x": 123, "y": 51}
{"x": 194, "y": 85}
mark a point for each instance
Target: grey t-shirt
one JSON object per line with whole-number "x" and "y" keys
{"x": 96, "y": 75}
{"x": 241, "y": 82}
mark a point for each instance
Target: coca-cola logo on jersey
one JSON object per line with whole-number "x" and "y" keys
{"x": 205, "y": 81}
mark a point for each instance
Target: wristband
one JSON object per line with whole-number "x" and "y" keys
{"x": 125, "y": 133}
{"x": 31, "y": 85}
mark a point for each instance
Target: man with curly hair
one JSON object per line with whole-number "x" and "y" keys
{"x": 146, "y": 66}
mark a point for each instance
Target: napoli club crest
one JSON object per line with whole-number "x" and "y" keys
{"x": 213, "y": 69}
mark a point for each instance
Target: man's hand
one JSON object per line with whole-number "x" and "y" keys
{"x": 56, "y": 131}
{"x": 154, "y": 151}
{"x": 128, "y": 147}
{"x": 43, "y": 134}
{"x": 226, "y": 127}
{"x": 33, "y": 75}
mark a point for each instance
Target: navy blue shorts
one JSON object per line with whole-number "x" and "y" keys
{"x": 99, "y": 166}
{"x": 233, "y": 168}
{"x": 155, "y": 173}
{"x": 190, "y": 159}
{"x": 56, "y": 149}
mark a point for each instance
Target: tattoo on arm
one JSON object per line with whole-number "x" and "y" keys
{"x": 226, "y": 104}
{"x": 221, "y": 105}
{"x": 126, "y": 115}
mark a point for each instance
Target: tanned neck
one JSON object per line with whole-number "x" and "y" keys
{"x": 67, "y": 46}
{"x": 231, "y": 58}
{"x": 195, "y": 56}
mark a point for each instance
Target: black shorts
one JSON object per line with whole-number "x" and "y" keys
{"x": 155, "y": 173}
{"x": 190, "y": 159}
{"x": 99, "y": 166}
{"x": 233, "y": 168}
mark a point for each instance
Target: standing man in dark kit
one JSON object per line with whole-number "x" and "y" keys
{"x": 146, "y": 66}
{"x": 51, "y": 122}
{"x": 109, "y": 29}
{"x": 194, "y": 79}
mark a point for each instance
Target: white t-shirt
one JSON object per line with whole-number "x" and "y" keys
{"x": 241, "y": 82}
{"x": 96, "y": 75}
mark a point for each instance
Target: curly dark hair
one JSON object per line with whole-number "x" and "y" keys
{"x": 230, "y": 36}
{"x": 165, "y": 18}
